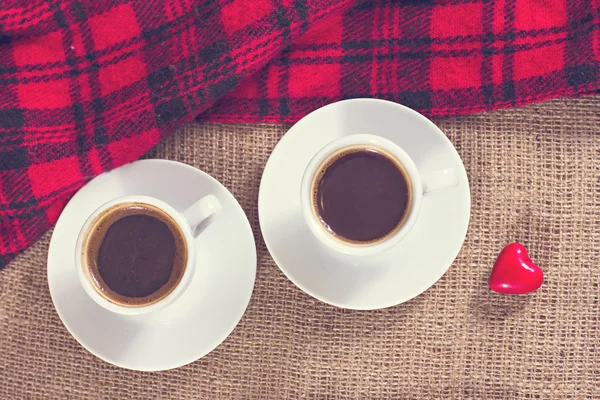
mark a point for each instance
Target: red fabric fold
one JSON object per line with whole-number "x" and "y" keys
{"x": 87, "y": 86}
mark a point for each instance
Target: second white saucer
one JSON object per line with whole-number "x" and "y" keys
{"x": 399, "y": 274}
{"x": 207, "y": 311}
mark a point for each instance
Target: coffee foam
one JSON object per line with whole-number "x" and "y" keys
{"x": 332, "y": 158}
{"x": 95, "y": 236}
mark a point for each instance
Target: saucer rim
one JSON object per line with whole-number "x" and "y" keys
{"x": 207, "y": 349}
{"x": 448, "y": 261}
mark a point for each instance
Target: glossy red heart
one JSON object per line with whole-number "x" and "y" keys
{"x": 514, "y": 272}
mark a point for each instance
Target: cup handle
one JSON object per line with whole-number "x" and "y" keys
{"x": 439, "y": 179}
{"x": 201, "y": 210}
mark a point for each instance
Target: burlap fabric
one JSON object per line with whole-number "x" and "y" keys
{"x": 534, "y": 176}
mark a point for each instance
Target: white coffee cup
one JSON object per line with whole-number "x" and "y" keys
{"x": 186, "y": 222}
{"x": 420, "y": 185}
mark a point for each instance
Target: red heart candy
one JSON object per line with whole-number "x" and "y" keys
{"x": 514, "y": 272}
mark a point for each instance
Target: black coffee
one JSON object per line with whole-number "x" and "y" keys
{"x": 136, "y": 254}
{"x": 362, "y": 195}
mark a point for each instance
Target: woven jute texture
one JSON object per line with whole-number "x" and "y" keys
{"x": 534, "y": 175}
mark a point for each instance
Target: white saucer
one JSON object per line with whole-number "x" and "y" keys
{"x": 399, "y": 274}
{"x": 205, "y": 314}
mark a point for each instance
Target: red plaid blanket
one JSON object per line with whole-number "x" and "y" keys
{"x": 86, "y": 86}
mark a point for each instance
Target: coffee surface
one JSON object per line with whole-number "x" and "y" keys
{"x": 136, "y": 254}
{"x": 362, "y": 195}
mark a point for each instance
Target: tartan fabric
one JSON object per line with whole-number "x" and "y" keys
{"x": 86, "y": 86}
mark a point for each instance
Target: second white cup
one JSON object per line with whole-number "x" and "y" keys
{"x": 419, "y": 185}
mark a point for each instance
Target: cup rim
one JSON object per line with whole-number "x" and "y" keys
{"x": 143, "y": 309}
{"x": 322, "y": 156}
